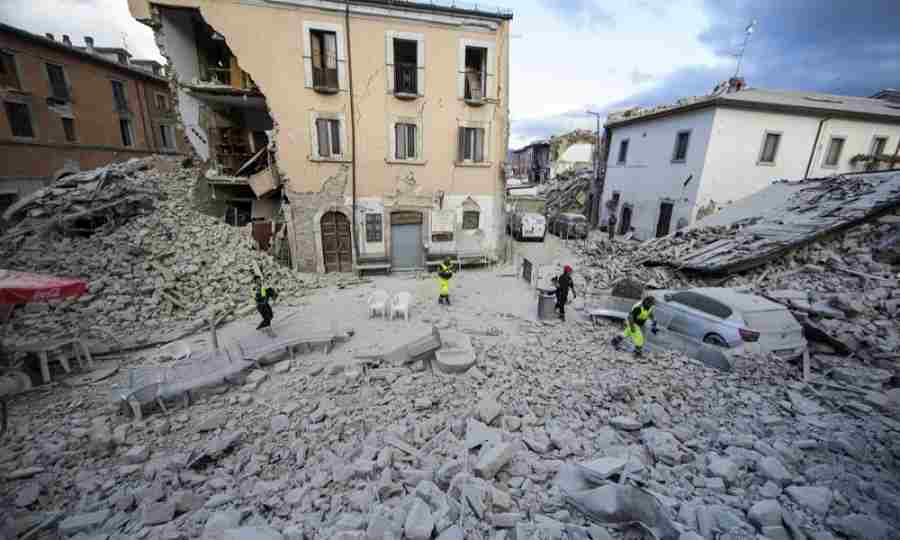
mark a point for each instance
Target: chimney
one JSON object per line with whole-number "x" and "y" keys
{"x": 66, "y": 40}
{"x": 50, "y": 36}
{"x": 89, "y": 43}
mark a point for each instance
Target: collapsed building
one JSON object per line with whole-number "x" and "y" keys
{"x": 352, "y": 136}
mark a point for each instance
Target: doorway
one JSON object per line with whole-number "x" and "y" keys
{"x": 625, "y": 222}
{"x": 406, "y": 240}
{"x": 336, "y": 249}
{"x": 665, "y": 219}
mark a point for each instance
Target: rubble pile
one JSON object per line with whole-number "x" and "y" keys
{"x": 510, "y": 449}
{"x": 156, "y": 267}
{"x": 568, "y": 192}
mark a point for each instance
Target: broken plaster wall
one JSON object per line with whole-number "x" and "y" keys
{"x": 178, "y": 43}
{"x": 306, "y": 215}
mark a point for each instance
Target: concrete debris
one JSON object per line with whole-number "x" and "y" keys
{"x": 157, "y": 268}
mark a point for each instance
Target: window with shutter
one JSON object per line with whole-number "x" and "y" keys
{"x": 681, "y": 146}
{"x": 476, "y": 73}
{"x": 373, "y": 228}
{"x": 119, "y": 100}
{"x": 328, "y": 137}
{"x": 405, "y": 141}
{"x": 58, "y": 88}
{"x": 9, "y": 77}
{"x": 324, "y": 60}
{"x": 833, "y": 156}
{"x": 19, "y": 116}
{"x": 125, "y": 129}
{"x": 770, "y": 148}
{"x": 471, "y": 143}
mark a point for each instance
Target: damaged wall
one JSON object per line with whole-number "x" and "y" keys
{"x": 277, "y": 66}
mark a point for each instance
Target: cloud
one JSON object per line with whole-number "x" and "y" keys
{"x": 581, "y": 14}
{"x": 108, "y": 21}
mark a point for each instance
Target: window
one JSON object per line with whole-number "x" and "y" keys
{"x": 405, "y": 141}
{"x": 701, "y": 303}
{"x": 328, "y": 132}
{"x": 119, "y": 100}
{"x": 475, "y": 73}
{"x": 406, "y": 66}
{"x": 162, "y": 102}
{"x": 8, "y": 75}
{"x": 623, "y": 152}
{"x": 471, "y": 144}
{"x": 770, "y": 148}
{"x": 166, "y": 139}
{"x": 324, "y": 59}
{"x": 833, "y": 157}
{"x": 58, "y": 88}
{"x": 470, "y": 220}
{"x": 681, "y": 146}
{"x": 878, "y": 144}
{"x": 19, "y": 115}
{"x": 69, "y": 128}
{"x": 125, "y": 129}
{"x": 373, "y": 228}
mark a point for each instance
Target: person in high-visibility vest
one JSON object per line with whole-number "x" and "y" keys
{"x": 639, "y": 314}
{"x": 445, "y": 273}
{"x": 263, "y": 296}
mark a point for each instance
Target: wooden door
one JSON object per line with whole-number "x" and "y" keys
{"x": 336, "y": 249}
{"x": 665, "y": 219}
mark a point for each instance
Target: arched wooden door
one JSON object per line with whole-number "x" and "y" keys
{"x": 336, "y": 249}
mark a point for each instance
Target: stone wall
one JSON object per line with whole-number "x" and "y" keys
{"x": 306, "y": 212}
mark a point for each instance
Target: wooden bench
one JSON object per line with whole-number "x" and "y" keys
{"x": 372, "y": 264}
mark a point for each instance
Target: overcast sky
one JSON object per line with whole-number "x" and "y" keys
{"x": 571, "y": 55}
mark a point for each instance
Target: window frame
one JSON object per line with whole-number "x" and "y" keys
{"x": 71, "y": 120}
{"x": 16, "y": 75}
{"x": 415, "y": 141}
{"x": 687, "y": 145}
{"x": 837, "y": 160}
{"x": 488, "y": 77}
{"x": 165, "y": 99}
{"x": 340, "y": 44}
{"x": 130, "y": 132}
{"x": 875, "y": 139}
{"x": 339, "y": 118}
{"x": 374, "y": 232}
{"x": 119, "y": 107}
{"x": 166, "y": 130}
{"x": 622, "y": 157}
{"x": 31, "y": 120}
{"x": 468, "y": 214}
{"x": 65, "y": 80}
{"x": 482, "y": 79}
{"x": 762, "y": 150}
{"x": 463, "y": 142}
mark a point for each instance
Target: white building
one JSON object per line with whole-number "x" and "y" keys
{"x": 668, "y": 167}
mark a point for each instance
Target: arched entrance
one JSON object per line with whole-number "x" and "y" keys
{"x": 337, "y": 251}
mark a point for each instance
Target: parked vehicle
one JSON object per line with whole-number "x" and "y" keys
{"x": 569, "y": 225}
{"x": 730, "y": 319}
{"x": 526, "y": 219}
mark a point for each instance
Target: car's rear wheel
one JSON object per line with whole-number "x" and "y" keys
{"x": 715, "y": 339}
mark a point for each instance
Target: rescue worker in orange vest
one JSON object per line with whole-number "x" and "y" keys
{"x": 445, "y": 273}
{"x": 639, "y": 314}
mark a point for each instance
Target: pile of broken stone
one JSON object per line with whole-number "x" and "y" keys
{"x": 568, "y": 192}
{"x": 553, "y": 436}
{"x": 156, "y": 267}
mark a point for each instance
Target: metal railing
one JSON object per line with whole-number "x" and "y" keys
{"x": 406, "y": 78}
{"x": 325, "y": 78}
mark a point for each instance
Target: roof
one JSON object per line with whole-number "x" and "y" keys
{"x": 446, "y": 6}
{"x": 578, "y": 153}
{"x": 75, "y": 51}
{"x": 805, "y": 103}
{"x": 529, "y": 145}
{"x": 810, "y": 210}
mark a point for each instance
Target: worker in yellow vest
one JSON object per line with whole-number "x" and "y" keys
{"x": 263, "y": 296}
{"x": 445, "y": 273}
{"x": 637, "y": 317}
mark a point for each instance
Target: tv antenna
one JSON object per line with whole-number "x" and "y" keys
{"x": 747, "y": 33}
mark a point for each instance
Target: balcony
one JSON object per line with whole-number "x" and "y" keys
{"x": 474, "y": 87}
{"x": 406, "y": 78}
{"x": 325, "y": 81}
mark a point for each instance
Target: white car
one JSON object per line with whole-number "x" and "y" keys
{"x": 730, "y": 319}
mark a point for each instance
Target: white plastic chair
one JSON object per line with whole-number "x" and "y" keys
{"x": 378, "y": 303}
{"x": 400, "y": 305}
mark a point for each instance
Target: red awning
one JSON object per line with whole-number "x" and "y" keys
{"x": 23, "y": 288}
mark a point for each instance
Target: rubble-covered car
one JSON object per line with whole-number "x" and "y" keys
{"x": 569, "y": 225}
{"x": 526, "y": 218}
{"x": 731, "y": 319}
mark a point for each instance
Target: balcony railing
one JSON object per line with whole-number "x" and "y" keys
{"x": 406, "y": 79}
{"x": 325, "y": 80}
{"x": 474, "y": 85}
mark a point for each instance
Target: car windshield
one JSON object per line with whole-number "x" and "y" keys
{"x": 777, "y": 320}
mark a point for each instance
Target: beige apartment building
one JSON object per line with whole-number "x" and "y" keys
{"x": 365, "y": 132}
